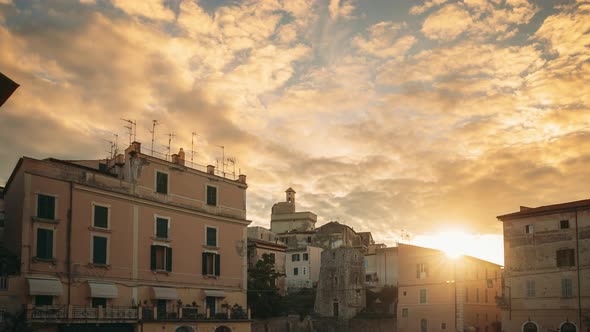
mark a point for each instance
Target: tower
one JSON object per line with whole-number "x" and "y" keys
{"x": 290, "y": 196}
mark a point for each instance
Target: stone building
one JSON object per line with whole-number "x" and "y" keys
{"x": 440, "y": 293}
{"x": 262, "y": 241}
{"x": 341, "y": 290}
{"x": 128, "y": 243}
{"x": 547, "y": 268}
{"x": 335, "y": 235}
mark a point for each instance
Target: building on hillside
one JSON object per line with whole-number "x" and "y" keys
{"x": 335, "y": 235}
{"x": 302, "y": 268}
{"x": 284, "y": 217}
{"x": 547, "y": 268}
{"x": 131, "y": 243}
{"x": 262, "y": 241}
{"x": 437, "y": 292}
{"x": 341, "y": 290}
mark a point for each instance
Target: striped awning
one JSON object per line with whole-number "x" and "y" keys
{"x": 164, "y": 293}
{"x": 44, "y": 286}
{"x": 103, "y": 289}
{"x": 214, "y": 293}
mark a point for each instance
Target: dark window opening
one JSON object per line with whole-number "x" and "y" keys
{"x": 99, "y": 301}
{"x": 565, "y": 257}
{"x": 305, "y": 256}
{"x": 101, "y": 216}
{"x": 210, "y": 302}
{"x": 211, "y": 264}
{"x": 44, "y": 243}
{"x": 46, "y": 207}
{"x": 161, "y": 183}
{"x": 212, "y": 236}
{"x": 211, "y": 195}
{"x": 161, "y": 258}
{"x": 162, "y": 228}
{"x": 295, "y": 271}
{"x": 99, "y": 250}
{"x": 43, "y": 300}
{"x": 564, "y": 224}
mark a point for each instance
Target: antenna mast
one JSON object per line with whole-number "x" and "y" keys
{"x": 170, "y": 135}
{"x": 193, "y": 145}
{"x": 132, "y": 127}
{"x": 153, "y": 131}
{"x": 232, "y": 160}
{"x": 222, "y": 159}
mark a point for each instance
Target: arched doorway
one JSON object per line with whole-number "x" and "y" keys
{"x": 184, "y": 329}
{"x": 568, "y": 327}
{"x": 530, "y": 327}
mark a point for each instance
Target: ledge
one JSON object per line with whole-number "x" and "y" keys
{"x": 99, "y": 266}
{"x": 46, "y": 260}
{"x": 46, "y": 221}
{"x": 161, "y": 239}
{"x": 100, "y": 229}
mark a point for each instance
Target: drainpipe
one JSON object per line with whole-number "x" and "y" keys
{"x": 578, "y": 275}
{"x": 68, "y": 244}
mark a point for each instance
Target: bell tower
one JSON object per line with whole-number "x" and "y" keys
{"x": 290, "y": 196}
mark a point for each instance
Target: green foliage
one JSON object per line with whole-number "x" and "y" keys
{"x": 301, "y": 303}
{"x": 263, "y": 295}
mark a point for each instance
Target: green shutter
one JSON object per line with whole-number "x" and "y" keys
{"x": 99, "y": 253}
{"x": 162, "y": 228}
{"x": 153, "y": 258}
{"x": 45, "y": 207}
{"x": 169, "y": 259}
{"x": 44, "y": 243}
{"x": 217, "y": 264}
{"x": 204, "y": 263}
{"x": 211, "y": 195}
{"x": 162, "y": 183}
{"x": 101, "y": 215}
{"x": 211, "y": 236}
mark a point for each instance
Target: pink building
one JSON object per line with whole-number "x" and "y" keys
{"x": 439, "y": 293}
{"x": 137, "y": 242}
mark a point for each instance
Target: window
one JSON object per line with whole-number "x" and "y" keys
{"x": 309, "y": 239}
{"x": 99, "y": 301}
{"x": 161, "y": 258}
{"x": 101, "y": 216}
{"x": 43, "y": 300}
{"x": 305, "y": 257}
{"x": 530, "y": 288}
{"x": 404, "y": 312}
{"x": 565, "y": 258}
{"x": 161, "y": 228}
{"x": 211, "y": 304}
{"x": 4, "y": 283}
{"x": 1, "y": 218}
{"x": 295, "y": 258}
{"x": 564, "y": 224}
{"x": 530, "y": 327}
{"x": 99, "y": 250}
{"x": 421, "y": 271}
{"x": 423, "y": 325}
{"x": 295, "y": 271}
{"x": 45, "y": 207}
{"x": 212, "y": 236}
{"x": 529, "y": 229}
{"x": 161, "y": 183}
{"x": 443, "y": 326}
{"x": 211, "y": 264}
{"x": 304, "y": 270}
{"x": 423, "y": 296}
{"x": 566, "y": 288}
{"x": 567, "y": 327}
{"x": 44, "y": 243}
{"x": 211, "y": 195}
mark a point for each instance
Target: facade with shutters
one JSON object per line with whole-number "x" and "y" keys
{"x": 135, "y": 241}
{"x": 547, "y": 268}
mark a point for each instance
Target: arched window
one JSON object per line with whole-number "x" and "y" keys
{"x": 568, "y": 327}
{"x": 223, "y": 329}
{"x": 184, "y": 329}
{"x": 423, "y": 325}
{"x": 530, "y": 327}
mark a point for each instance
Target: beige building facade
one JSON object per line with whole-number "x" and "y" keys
{"x": 439, "y": 293}
{"x": 137, "y": 240}
{"x": 302, "y": 267}
{"x": 547, "y": 268}
{"x": 262, "y": 241}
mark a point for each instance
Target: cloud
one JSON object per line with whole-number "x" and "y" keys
{"x": 447, "y": 23}
{"x": 340, "y": 9}
{"x": 153, "y": 9}
{"x": 417, "y": 9}
{"x": 384, "y": 41}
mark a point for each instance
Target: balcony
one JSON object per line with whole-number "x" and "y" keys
{"x": 89, "y": 314}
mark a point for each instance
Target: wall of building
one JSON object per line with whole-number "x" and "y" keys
{"x": 341, "y": 291}
{"x": 334, "y": 235}
{"x": 308, "y": 271}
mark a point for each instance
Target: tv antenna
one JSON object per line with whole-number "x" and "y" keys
{"x": 153, "y": 131}
{"x": 168, "y": 148}
{"x": 232, "y": 160}
{"x": 132, "y": 128}
{"x": 113, "y": 146}
{"x": 193, "y": 145}
{"x": 222, "y": 159}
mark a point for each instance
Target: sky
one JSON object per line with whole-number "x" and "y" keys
{"x": 422, "y": 118}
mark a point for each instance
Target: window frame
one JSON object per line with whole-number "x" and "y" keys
{"x": 567, "y": 288}
{"x": 421, "y": 268}
{"x": 295, "y": 271}
{"x": 168, "y": 219}
{"x": 305, "y": 257}
{"x": 564, "y": 222}
{"x": 55, "y": 205}
{"x": 563, "y": 262}
{"x": 529, "y": 229}
{"x": 53, "y": 236}
{"x": 423, "y": 296}
{"x": 207, "y": 186}
{"x": 107, "y": 251}
{"x": 295, "y": 258}
{"x": 167, "y": 254}
{"x": 405, "y": 312}
{"x": 530, "y": 288}
{"x": 156, "y": 182}
{"x": 215, "y": 264}
{"x": 207, "y": 227}
{"x": 108, "y": 207}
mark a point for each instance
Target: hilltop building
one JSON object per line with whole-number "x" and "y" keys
{"x": 262, "y": 241}
{"x": 133, "y": 243}
{"x": 547, "y": 268}
{"x": 437, "y": 292}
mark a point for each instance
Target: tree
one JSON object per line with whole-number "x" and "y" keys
{"x": 263, "y": 295}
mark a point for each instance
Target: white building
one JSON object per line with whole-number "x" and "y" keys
{"x": 302, "y": 267}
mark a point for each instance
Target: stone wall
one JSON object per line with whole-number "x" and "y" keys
{"x": 294, "y": 324}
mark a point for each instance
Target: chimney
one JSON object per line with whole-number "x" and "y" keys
{"x": 242, "y": 178}
{"x": 210, "y": 169}
{"x": 524, "y": 208}
{"x": 175, "y": 158}
{"x": 136, "y": 146}
{"x": 181, "y": 157}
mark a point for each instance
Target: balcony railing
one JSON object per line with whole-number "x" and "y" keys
{"x": 67, "y": 313}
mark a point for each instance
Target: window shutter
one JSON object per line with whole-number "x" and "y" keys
{"x": 217, "y": 264}
{"x": 169, "y": 259}
{"x": 41, "y": 243}
{"x": 101, "y": 214}
{"x": 100, "y": 250}
{"x": 204, "y": 263}
{"x": 153, "y": 258}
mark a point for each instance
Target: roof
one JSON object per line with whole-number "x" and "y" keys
{"x": 401, "y": 245}
{"x": 266, "y": 243}
{"x": 545, "y": 209}
{"x": 290, "y": 190}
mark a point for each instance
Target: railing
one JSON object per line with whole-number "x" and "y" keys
{"x": 117, "y": 314}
